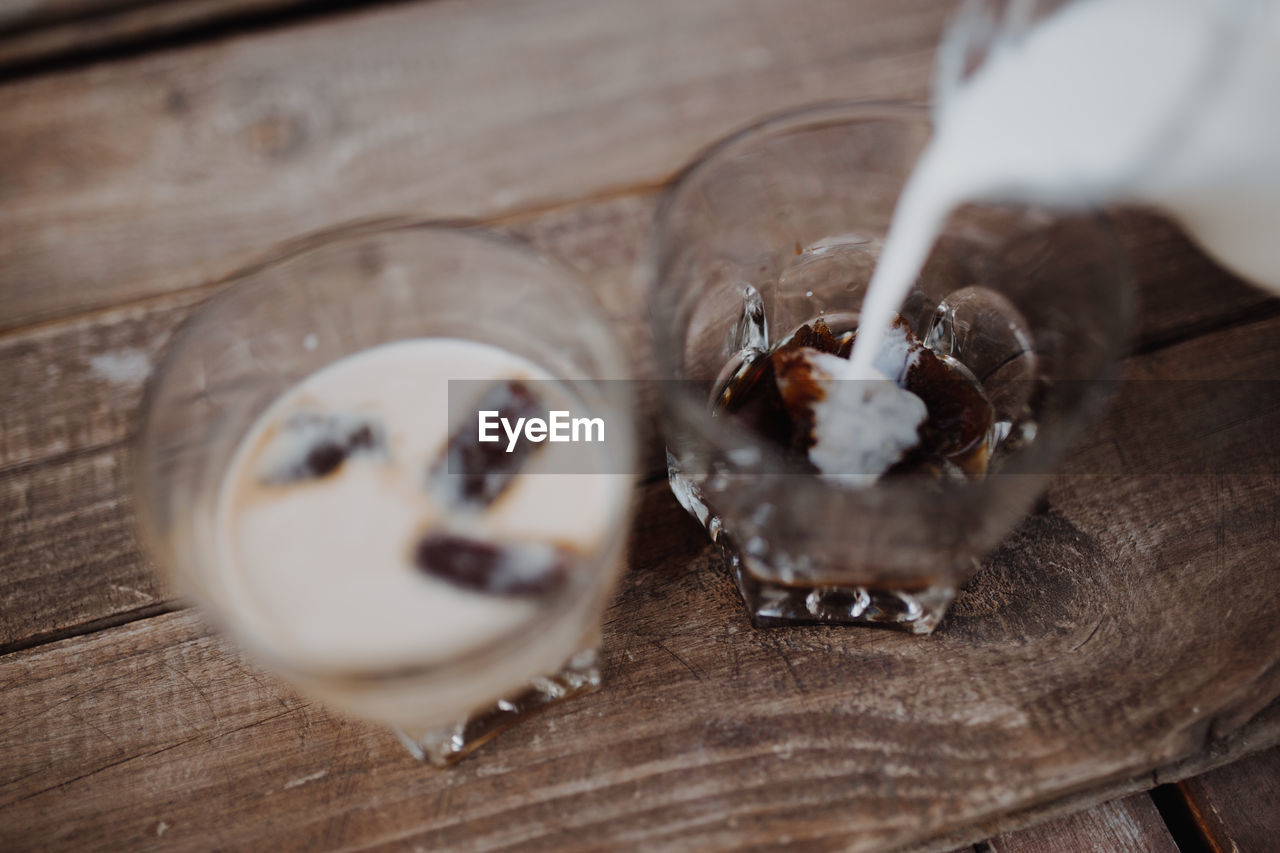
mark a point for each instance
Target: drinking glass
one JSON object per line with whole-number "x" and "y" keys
{"x": 780, "y": 225}
{"x": 314, "y": 304}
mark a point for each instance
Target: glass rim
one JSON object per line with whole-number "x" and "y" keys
{"x": 810, "y": 116}
{"x": 807, "y": 116}
{"x": 599, "y": 570}
{"x": 692, "y": 413}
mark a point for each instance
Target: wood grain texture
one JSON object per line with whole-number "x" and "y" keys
{"x": 1260, "y": 733}
{"x": 1131, "y": 825}
{"x": 134, "y": 178}
{"x": 1181, "y": 291}
{"x": 1236, "y": 807}
{"x": 54, "y": 29}
{"x": 73, "y": 385}
{"x": 708, "y": 734}
{"x": 1080, "y": 658}
{"x": 69, "y": 391}
{"x": 34, "y": 14}
{"x": 169, "y": 171}
{"x": 1123, "y": 637}
{"x": 70, "y": 556}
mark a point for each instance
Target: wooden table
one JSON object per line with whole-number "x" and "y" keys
{"x": 1124, "y": 638}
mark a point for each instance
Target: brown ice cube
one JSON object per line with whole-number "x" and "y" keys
{"x": 472, "y": 472}
{"x": 819, "y": 337}
{"x": 941, "y": 428}
{"x": 855, "y": 427}
{"x": 751, "y": 398}
{"x": 312, "y": 445}
{"x": 754, "y": 396}
{"x": 960, "y": 417}
{"x": 800, "y": 390}
{"x": 959, "y": 414}
{"x": 494, "y": 569}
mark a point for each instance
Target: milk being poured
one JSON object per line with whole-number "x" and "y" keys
{"x": 1174, "y": 103}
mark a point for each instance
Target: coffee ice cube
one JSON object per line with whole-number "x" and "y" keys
{"x": 960, "y": 416}
{"x": 476, "y": 473}
{"x": 310, "y": 445}
{"x": 488, "y": 567}
{"x": 858, "y": 425}
{"x": 819, "y": 337}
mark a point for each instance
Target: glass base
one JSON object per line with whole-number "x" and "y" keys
{"x": 773, "y": 605}
{"x": 449, "y": 744}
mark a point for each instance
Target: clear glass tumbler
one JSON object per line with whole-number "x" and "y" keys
{"x": 345, "y": 293}
{"x": 780, "y": 225}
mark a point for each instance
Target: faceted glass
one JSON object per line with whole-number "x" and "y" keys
{"x": 781, "y": 225}
{"x": 314, "y": 304}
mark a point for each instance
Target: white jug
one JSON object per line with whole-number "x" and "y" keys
{"x": 1173, "y": 103}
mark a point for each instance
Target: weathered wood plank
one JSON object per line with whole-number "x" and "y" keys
{"x": 707, "y": 735}
{"x": 1237, "y": 808}
{"x": 69, "y": 553}
{"x": 792, "y": 742}
{"x": 53, "y": 29}
{"x": 70, "y": 389}
{"x": 171, "y": 170}
{"x": 1181, "y": 292}
{"x": 69, "y": 392}
{"x": 35, "y": 14}
{"x": 1260, "y": 733}
{"x": 1131, "y": 825}
{"x": 74, "y": 384}
{"x": 117, "y": 713}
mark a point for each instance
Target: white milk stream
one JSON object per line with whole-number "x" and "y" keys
{"x": 1174, "y": 103}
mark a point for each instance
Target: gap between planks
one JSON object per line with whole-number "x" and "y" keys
{"x": 39, "y": 44}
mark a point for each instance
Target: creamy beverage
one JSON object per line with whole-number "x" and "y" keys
{"x": 355, "y": 460}
{"x": 362, "y": 531}
{"x": 923, "y": 413}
